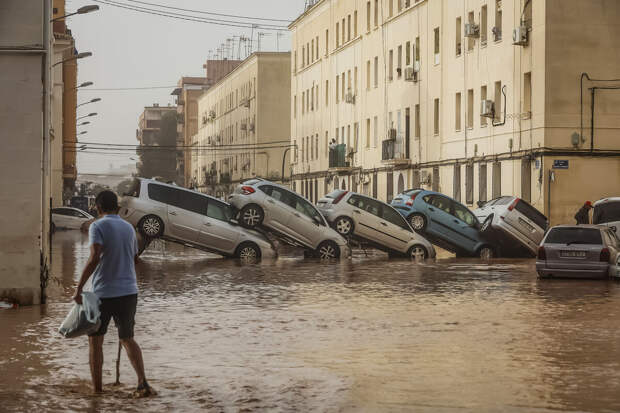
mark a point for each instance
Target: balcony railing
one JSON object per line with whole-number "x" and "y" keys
{"x": 392, "y": 150}
{"x": 338, "y": 156}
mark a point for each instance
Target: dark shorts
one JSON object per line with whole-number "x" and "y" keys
{"x": 123, "y": 310}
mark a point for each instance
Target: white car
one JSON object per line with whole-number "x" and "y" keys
{"x": 288, "y": 214}
{"x": 69, "y": 218}
{"x": 159, "y": 210}
{"x": 607, "y": 212}
{"x": 524, "y": 225}
{"x": 375, "y": 222}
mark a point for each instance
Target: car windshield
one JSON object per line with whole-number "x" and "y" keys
{"x": 574, "y": 236}
{"x": 334, "y": 194}
{"x": 607, "y": 212}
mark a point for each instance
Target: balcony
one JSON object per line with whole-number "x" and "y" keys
{"x": 392, "y": 152}
{"x": 338, "y": 158}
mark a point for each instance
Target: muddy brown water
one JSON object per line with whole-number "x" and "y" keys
{"x": 300, "y": 335}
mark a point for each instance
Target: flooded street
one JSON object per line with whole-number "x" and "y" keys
{"x": 300, "y": 335}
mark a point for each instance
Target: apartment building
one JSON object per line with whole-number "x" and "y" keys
{"x": 244, "y": 125}
{"x": 476, "y": 99}
{"x": 157, "y": 135}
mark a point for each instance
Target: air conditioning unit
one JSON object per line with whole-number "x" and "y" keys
{"x": 392, "y": 134}
{"x": 519, "y": 36}
{"x": 487, "y": 108}
{"x": 212, "y": 114}
{"x": 497, "y": 34}
{"x": 349, "y": 98}
{"x": 472, "y": 30}
{"x": 244, "y": 126}
{"x": 411, "y": 75}
{"x": 251, "y": 127}
{"x": 416, "y": 66}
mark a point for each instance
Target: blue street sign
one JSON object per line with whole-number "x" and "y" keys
{"x": 560, "y": 164}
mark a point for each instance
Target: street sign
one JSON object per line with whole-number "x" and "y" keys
{"x": 560, "y": 164}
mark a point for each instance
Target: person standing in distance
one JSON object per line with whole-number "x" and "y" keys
{"x": 113, "y": 254}
{"x": 583, "y": 215}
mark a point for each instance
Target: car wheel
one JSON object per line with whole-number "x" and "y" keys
{"x": 486, "y": 253}
{"x": 417, "y": 222}
{"x": 151, "y": 226}
{"x": 328, "y": 250}
{"x": 251, "y": 216}
{"x": 418, "y": 253}
{"x": 344, "y": 226}
{"x": 248, "y": 252}
{"x": 486, "y": 225}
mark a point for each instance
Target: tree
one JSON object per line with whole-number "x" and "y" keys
{"x": 159, "y": 158}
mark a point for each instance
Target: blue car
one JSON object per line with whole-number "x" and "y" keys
{"x": 445, "y": 222}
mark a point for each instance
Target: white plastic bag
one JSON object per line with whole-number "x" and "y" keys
{"x": 83, "y": 318}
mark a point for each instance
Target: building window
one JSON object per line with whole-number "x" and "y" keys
{"x": 391, "y": 65}
{"x": 376, "y": 13}
{"x": 295, "y": 106}
{"x": 459, "y": 40}
{"x": 376, "y": 71}
{"x": 437, "y": 45}
{"x": 417, "y": 122}
{"x": 470, "y": 40}
{"x": 483, "y": 25}
{"x": 355, "y": 80}
{"x": 326, "y": 143}
{"x": 295, "y": 64}
{"x": 497, "y": 30}
{"x": 368, "y": 16}
{"x": 337, "y": 88}
{"x": 498, "y": 100}
{"x": 356, "y": 135}
{"x": 326, "y": 42}
{"x": 391, "y": 8}
{"x": 303, "y": 56}
{"x": 348, "y": 136}
{"x": 327, "y": 93}
{"x": 399, "y": 61}
{"x": 368, "y": 75}
{"x": 457, "y": 112}
{"x": 303, "y": 102}
{"x": 317, "y": 48}
{"x": 417, "y": 50}
{"x": 376, "y": 131}
{"x": 368, "y": 133}
{"x": 342, "y": 85}
{"x": 407, "y": 53}
{"x": 344, "y": 39}
{"x": 470, "y": 108}
{"x": 497, "y": 179}
{"x": 483, "y": 96}
{"x": 337, "y": 35}
{"x": 456, "y": 183}
{"x": 355, "y": 24}
{"x": 527, "y": 94}
{"x": 482, "y": 182}
{"x": 312, "y": 52}
{"x": 316, "y": 146}
{"x": 400, "y": 5}
{"x": 469, "y": 184}
{"x": 349, "y": 27}
{"x": 436, "y": 117}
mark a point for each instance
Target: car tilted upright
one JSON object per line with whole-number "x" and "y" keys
{"x": 522, "y": 225}
{"x": 579, "y": 251}
{"x": 160, "y": 210}
{"x": 607, "y": 212}
{"x": 375, "y": 222}
{"x": 266, "y": 204}
{"x": 444, "y": 221}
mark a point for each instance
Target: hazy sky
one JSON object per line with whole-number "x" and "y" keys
{"x": 132, "y": 49}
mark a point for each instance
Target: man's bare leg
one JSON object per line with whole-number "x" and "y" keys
{"x": 135, "y": 356}
{"x": 95, "y": 345}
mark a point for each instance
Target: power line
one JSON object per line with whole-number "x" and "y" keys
{"x": 231, "y": 145}
{"x": 211, "y": 13}
{"x": 170, "y": 150}
{"x": 191, "y": 18}
{"x": 129, "y": 88}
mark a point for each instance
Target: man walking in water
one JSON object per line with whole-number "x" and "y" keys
{"x": 113, "y": 253}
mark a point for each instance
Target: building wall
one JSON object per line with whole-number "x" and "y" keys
{"x": 24, "y": 163}
{"x": 69, "y": 129}
{"x": 56, "y": 153}
{"x": 537, "y": 115}
{"x": 240, "y": 118}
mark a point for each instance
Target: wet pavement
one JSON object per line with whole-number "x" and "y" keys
{"x": 301, "y": 335}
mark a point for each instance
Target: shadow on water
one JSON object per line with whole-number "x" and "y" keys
{"x": 304, "y": 335}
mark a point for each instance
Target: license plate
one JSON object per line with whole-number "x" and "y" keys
{"x": 526, "y": 224}
{"x": 573, "y": 254}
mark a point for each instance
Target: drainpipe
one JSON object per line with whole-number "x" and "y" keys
{"x": 592, "y": 120}
{"x": 283, "y": 158}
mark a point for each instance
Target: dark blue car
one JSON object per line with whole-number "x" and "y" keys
{"x": 445, "y": 221}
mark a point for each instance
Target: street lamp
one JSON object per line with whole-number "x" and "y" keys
{"x": 86, "y": 116}
{"x": 85, "y": 84}
{"x": 84, "y": 123}
{"x": 81, "y": 10}
{"x": 90, "y": 101}
{"x": 74, "y": 57}
{"x": 83, "y": 132}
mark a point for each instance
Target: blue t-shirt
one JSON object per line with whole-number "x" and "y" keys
{"x": 115, "y": 276}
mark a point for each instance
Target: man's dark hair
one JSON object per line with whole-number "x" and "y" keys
{"x": 107, "y": 201}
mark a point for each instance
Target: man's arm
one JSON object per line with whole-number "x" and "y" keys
{"x": 93, "y": 261}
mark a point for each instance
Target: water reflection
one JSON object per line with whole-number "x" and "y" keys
{"x": 300, "y": 335}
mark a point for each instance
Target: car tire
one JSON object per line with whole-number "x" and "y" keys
{"x": 251, "y": 216}
{"x": 151, "y": 226}
{"x": 486, "y": 252}
{"x": 344, "y": 226}
{"x": 248, "y": 252}
{"x": 486, "y": 227}
{"x": 417, "y": 252}
{"x": 417, "y": 221}
{"x": 328, "y": 250}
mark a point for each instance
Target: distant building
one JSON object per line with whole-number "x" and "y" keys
{"x": 157, "y": 135}
{"x": 244, "y": 124}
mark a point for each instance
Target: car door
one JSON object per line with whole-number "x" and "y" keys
{"x": 367, "y": 214}
{"x": 60, "y": 217}
{"x": 305, "y": 221}
{"x": 465, "y": 228}
{"x": 395, "y": 229}
{"x": 276, "y": 206}
{"x": 216, "y": 231}
{"x": 439, "y": 211}
{"x": 186, "y": 212}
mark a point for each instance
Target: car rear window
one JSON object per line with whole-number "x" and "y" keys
{"x": 251, "y": 181}
{"x": 505, "y": 200}
{"x": 607, "y": 212}
{"x": 574, "y": 236}
{"x": 335, "y": 194}
{"x": 532, "y": 213}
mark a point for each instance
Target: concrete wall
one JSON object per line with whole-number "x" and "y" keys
{"x": 24, "y": 229}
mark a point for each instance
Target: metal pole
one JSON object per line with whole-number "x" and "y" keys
{"x": 592, "y": 121}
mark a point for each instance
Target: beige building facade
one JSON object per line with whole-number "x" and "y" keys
{"x": 397, "y": 94}
{"x": 244, "y": 125}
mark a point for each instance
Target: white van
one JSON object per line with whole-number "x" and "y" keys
{"x": 607, "y": 212}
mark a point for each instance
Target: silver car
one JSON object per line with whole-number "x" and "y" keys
{"x": 170, "y": 212}
{"x": 578, "y": 251}
{"x": 288, "y": 214}
{"x": 607, "y": 212}
{"x": 69, "y": 218}
{"x": 523, "y": 224}
{"x": 370, "y": 220}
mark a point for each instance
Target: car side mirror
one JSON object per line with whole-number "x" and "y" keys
{"x": 480, "y": 204}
